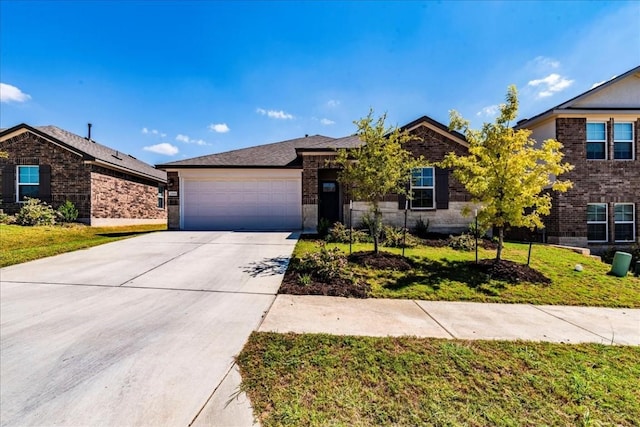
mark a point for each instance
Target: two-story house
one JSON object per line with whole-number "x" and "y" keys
{"x": 599, "y": 131}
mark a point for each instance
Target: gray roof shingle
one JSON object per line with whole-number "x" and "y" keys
{"x": 278, "y": 154}
{"x": 93, "y": 151}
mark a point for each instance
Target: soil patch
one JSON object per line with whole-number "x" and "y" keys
{"x": 337, "y": 288}
{"x": 381, "y": 260}
{"x": 511, "y": 272}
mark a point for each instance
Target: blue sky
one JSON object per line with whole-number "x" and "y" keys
{"x": 168, "y": 80}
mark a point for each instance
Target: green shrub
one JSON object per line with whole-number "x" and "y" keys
{"x": 338, "y": 233}
{"x": 323, "y": 227}
{"x": 36, "y": 212}
{"x": 463, "y": 242}
{"x": 394, "y": 237}
{"x": 326, "y": 264}
{"x": 6, "y": 218}
{"x": 479, "y": 231}
{"x": 421, "y": 229}
{"x": 67, "y": 212}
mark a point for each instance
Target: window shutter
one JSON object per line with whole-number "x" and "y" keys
{"x": 402, "y": 198}
{"x": 9, "y": 184}
{"x": 442, "y": 188}
{"x": 45, "y": 183}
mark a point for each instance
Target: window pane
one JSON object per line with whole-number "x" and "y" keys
{"x": 622, "y": 150}
{"x": 328, "y": 187}
{"x": 623, "y": 212}
{"x": 597, "y": 232}
{"x": 28, "y": 174}
{"x": 624, "y": 232}
{"x": 422, "y": 198}
{"x": 595, "y": 150}
{"x": 596, "y": 132}
{"x": 622, "y": 132}
{"x": 597, "y": 212}
{"x": 27, "y": 191}
{"x": 422, "y": 177}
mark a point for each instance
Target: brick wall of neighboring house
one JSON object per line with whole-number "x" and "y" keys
{"x": 594, "y": 181}
{"x": 69, "y": 175}
{"x": 119, "y": 195}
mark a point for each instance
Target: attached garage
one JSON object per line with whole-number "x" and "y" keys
{"x": 241, "y": 199}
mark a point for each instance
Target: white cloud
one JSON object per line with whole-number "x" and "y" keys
{"x": 333, "y": 103}
{"x": 153, "y": 131}
{"x": 219, "y": 127}
{"x": 182, "y": 138}
{"x": 145, "y": 130}
{"x": 489, "y": 111}
{"x": 162, "y": 148}
{"x": 551, "y": 84}
{"x": 327, "y": 122}
{"x": 10, "y": 93}
{"x": 281, "y": 115}
{"x": 547, "y": 62}
{"x": 199, "y": 142}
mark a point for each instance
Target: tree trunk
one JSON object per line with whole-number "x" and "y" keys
{"x": 500, "y": 243}
{"x": 376, "y": 228}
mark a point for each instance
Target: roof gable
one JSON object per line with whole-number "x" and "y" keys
{"x": 90, "y": 150}
{"x": 437, "y": 127}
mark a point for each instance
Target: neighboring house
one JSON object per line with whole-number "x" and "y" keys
{"x": 599, "y": 131}
{"x": 108, "y": 187}
{"x": 293, "y": 184}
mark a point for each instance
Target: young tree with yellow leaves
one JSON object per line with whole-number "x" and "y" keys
{"x": 507, "y": 172}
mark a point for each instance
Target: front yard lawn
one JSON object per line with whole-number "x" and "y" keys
{"x": 20, "y": 244}
{"x": 442, "y": 273}
{"x": 317, "y": 380}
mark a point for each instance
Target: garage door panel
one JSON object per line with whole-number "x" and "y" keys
{"x": 252, "y": 204}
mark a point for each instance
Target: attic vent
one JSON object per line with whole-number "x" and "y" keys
{"x": 89, "y": 131}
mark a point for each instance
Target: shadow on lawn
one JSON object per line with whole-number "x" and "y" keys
{"x": 433, "y": 273}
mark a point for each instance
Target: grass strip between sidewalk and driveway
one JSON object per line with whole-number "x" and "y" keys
{"x": 317, "y": 380}
{"x": 446, "y": 274}
{"x": 21, "y": 244}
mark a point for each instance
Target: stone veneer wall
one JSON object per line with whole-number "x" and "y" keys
{"x": 594, "y": 181}
{"x": 69, "y": 175}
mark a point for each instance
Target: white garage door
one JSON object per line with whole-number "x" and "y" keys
{"x": 264, "y": 203}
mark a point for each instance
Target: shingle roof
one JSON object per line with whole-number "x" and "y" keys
{"x": 278, "y": 154}
{"x": 94, "y": 151}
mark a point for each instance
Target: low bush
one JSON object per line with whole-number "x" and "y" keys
{"x": 421, "y": 229}
{"x": 463, "y": 242}
{"x": 394, "y": 237}
{"x": 67, "y": 212}
{"x": 35, "y": 212}
{"x": 339, "y": 233}
{"x": 6, "y": 218}
{"x": 326, "y": 264}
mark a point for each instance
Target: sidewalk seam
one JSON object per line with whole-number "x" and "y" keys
{"x": 571, "y": 323}
{"x": 434, "y": 319}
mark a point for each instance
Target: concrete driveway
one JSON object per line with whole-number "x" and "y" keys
{"x": 136, "y": 332}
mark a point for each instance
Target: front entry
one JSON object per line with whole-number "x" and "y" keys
{"x": 329, "y": 201}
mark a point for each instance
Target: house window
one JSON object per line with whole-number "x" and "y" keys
{"x": 596, "y": 140}
{"x": 28, "y": 182}
{"x": 624, "y": 222}
{"x": 423, "y": 188}
{"x": 623, "y": 141}
{"x": 597, "y": 229}
{"x": 161, "y": 196}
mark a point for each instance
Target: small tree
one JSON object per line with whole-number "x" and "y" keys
{"x": 378, "y": 167}
{"x": 507, "y": 172}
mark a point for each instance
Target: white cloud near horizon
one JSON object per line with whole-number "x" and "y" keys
{"x": 185, "y": 139}
{"x": 219, "y": 127}
{"x": 327, "y": 122}
{"x": 9, "y": 93}
{"x": 489, "y": 111}
{"x": 162, "y": 148}
{"x": 550, "y": 85}
{"x": 273, "y": 114}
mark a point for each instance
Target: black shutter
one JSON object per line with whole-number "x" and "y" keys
{"x": 9, "y": 184}
{"x": 442, "y": 188}
{"x": 45, "y": 183}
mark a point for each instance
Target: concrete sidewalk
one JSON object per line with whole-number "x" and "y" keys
{"x": 455, "y": 320}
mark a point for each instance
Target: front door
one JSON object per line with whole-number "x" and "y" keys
{"x": 329, "y": 201}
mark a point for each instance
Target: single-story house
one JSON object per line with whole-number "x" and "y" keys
{"x": 599, "y": 131}
{"x": 292, "y": 185}
{"x": 107, "y": 186}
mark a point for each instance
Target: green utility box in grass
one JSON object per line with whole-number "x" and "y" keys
{"x": 621, "y": 263}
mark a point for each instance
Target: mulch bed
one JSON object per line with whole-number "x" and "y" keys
{"x": 337, "y": 288}
{"x": 511, "y": 272}
{"x": 381, "y": 260}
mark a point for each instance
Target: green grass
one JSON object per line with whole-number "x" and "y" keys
{"x": 20, "y": 244}
{"x": 445, "y": 274}
{"x": 319, "y": 380}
